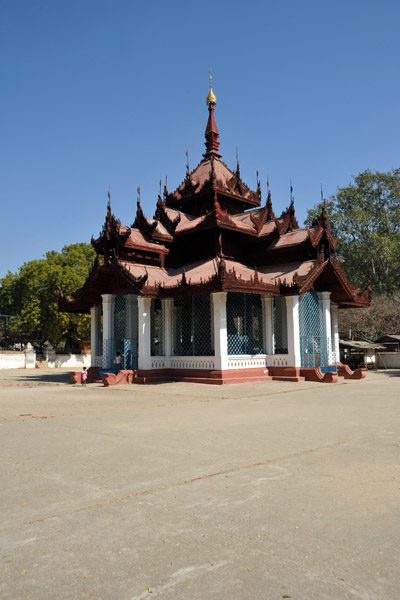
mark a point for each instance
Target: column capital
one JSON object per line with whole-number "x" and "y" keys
{"x": 108, "y": 298}
{"x": 130, "y": 298}
{"x": 325, "y": 295}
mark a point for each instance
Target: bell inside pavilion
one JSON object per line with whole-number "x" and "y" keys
{"x": 215, "y": 288}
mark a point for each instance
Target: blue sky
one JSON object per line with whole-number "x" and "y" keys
{"x": 97, "y": 93}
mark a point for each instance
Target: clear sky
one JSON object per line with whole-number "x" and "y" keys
{"x": 97, "y": 93}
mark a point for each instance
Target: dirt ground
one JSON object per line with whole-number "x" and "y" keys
{"x": 187, "y": 491}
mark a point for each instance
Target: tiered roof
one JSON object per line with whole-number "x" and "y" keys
{"x": 212, "y": 234}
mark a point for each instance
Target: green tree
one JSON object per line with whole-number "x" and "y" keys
{"x": 365, "y": 217}
{"x": 31, "y": 295}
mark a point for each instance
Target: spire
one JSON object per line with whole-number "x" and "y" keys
{"x": 211, "y": 133}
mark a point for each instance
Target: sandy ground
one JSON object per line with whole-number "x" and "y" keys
{"x": 266, "y": 490}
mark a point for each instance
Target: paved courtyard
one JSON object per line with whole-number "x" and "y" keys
{"x": 187, "y": 491}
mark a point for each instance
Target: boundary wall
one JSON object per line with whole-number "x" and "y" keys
{"x": 11, "y": 359}
{"x": 388, "y": 360}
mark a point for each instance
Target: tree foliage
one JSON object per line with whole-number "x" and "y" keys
{"x": 31, "y": 296}
{"x": 381, "y": 318}
{"x": 365, "y": 217}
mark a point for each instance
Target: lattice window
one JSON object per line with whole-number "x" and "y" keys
{"x": 157, "y": 328}
{"x": 245, "y": 327}
{"x": 317, "y": 349}
{"x": 126, "y": 329}
{"x": 119, "y": 318}
{"x": 191, "y": 326}
{"x": 99, "y": 349}
{"x": 279, "y": 326}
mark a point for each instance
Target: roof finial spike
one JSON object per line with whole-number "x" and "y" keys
{"x": 270, "y": 212}
{"x": 165, "y": 186}
{"x": 160, "y": 186}
{"x": 187, "y": 162}
{"x": 237, "y": 163}
{"x": 291, "y": 193}
{"x": 109, "y": 199}
{"x": 323, "y": 200}
{"x": 138, "y": 195}
{"x": 211, "y": 97}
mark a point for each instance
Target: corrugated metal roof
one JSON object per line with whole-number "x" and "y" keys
{"x": 389, "y": 338}
{"x": 361, "y": 345}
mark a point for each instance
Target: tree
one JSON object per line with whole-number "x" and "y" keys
{"x": 381, "y": 318}
{"x": 365, "y": 217}
{"x": 31, "y": 295}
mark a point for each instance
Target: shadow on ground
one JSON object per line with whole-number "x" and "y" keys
{"x": 46, "y": 377}
{"x": 389, "y": 372}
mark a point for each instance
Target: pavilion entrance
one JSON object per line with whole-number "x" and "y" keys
{"x": 316, "y": 344}
{"x": 126, "y": 329}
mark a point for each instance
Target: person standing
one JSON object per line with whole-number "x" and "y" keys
{"x": 118, "y": 362}
{"x": 84, "y": 376}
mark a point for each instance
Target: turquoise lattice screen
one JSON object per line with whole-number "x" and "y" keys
{"x": 316, "y": 345}
{"x": 157, "y": 328}
{"x": 192, "y": 326}
{"x": 245, "y": 327}
{"x": 279, "y": 326}
{"x": 126, "y": 329}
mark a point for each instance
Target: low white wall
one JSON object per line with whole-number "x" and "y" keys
{"x": 22, "y": 360}
{"x": 388, "y": 360}
{"x": 12, "y": 360}
{"x": 70, "y": 360}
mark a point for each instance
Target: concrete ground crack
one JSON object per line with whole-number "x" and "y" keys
{"x": 183, "y": 482}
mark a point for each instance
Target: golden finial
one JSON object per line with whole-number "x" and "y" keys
{"x": 211, "y": 98}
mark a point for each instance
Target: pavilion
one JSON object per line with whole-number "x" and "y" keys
{"x": 215, "y": 288}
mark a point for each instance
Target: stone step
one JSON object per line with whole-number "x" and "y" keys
{"x": 210, "y": 380}
{"x": 287, "y": 378}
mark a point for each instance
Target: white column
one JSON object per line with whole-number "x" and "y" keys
{"x": 167, "y": 306}
{"x": 335, "y": 330}
{"x": 108, "y": 330}
{"x": 325, "y": 299}
{"x": 220, "y": 330}
{"x": 95, "y": 313}
{"x": 268, "y": 332}
{"x": 144, "y": 345}
{"x": 293, "y": 331}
